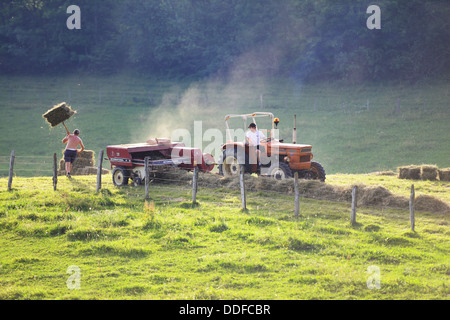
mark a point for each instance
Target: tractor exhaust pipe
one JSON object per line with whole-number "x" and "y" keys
{"x": 294, "y": 132}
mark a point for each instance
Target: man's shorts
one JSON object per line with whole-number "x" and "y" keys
{"x": 70, "y": 155}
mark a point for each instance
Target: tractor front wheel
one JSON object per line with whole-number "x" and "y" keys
{"x": 120, "y": 176}
{"x": 278, "y": 171}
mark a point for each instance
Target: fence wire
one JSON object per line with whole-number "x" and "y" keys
{"x": 24, "y": 165}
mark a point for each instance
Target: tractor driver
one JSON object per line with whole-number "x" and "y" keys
{"x": 253, "y": 138}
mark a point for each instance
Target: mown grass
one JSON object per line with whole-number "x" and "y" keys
{"x": 165, "y": 248}
{"x": 402, "y": 187}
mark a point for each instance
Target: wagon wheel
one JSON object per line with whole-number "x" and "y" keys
{"x": 120, "y": 176}
{"x": 137, "y": 181}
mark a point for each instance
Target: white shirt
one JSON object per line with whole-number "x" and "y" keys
{"x": 255, "y": 137}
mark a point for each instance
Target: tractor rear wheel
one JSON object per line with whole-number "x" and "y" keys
{"x": 120, "y": 176}
{"x": 317, "y": 172}
{"x": 230, "y": 165}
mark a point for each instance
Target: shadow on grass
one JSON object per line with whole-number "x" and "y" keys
{"x": 189, "y": 205}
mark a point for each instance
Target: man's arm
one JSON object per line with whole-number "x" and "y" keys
{"x": 262, "y": 138}
{"x": 247, "y": 138}
{"x": 82, "y": 147}
{"x": 65, "y": 139}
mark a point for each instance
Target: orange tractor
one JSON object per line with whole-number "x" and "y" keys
{"x": 270, "y": 157}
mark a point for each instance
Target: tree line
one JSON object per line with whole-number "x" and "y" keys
{"x": 306, "y": 39}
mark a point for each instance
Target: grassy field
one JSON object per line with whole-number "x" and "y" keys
{"x": 165, "y": 248}
{"x": 353, "y": 128}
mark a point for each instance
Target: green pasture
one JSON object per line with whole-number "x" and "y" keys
{"x": 166, "y": 248}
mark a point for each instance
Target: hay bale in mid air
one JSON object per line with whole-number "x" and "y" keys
{"x": 409, "y": 172}
{"x": 58, "y": 114}
{"x": 444, "y": 174}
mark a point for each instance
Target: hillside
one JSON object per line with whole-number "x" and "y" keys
{"x": 353, "y": 128}
{"x": 165, "y": 248}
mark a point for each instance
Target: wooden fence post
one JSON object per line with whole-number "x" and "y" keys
{"x": 147, "y": 177}
{"x": 99, "y": 171}
{"x": 242, "y": 182}
{"x": 11, "y": 169}
{"x": 411, "y": 208}
{"x": 194, "y": 184}
{"x": 55, "y": 171}
{"x": 354, "y": 203}
{"x": 297, "y": 201}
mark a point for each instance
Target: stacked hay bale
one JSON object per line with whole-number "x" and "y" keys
{"x": 424, "y": 172}
{"x": 429, "y": 172}
{"x": 444, "y": 174}
{"x": 409, "y": 172}
{"x": 84, "y": 164}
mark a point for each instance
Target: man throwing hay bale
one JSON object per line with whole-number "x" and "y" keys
{"x": 56, "y": 115}
{"x": 71, "y": 151}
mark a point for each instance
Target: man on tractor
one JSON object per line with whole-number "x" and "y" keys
{"x": 267, "y": 156}
{"x": 254, "y": 138}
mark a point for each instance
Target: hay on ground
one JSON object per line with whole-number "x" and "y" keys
{"x": 366, "y": 195}
{"x": 431, "y": 204}
{"x": 429, "y": 172}
{"x": 444, "y": 174}
{"x": 58, "y": 114}
{"x": 384, "y": 173}
{"x": 409, "y": 172}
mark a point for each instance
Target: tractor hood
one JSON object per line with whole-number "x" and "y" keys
{"x": 290, "y": 145}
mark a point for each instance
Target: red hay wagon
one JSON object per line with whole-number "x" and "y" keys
{"x": 128, "y": 160}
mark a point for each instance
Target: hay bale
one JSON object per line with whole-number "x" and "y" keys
{"x": 81, "y": 163}
{"x": 62, "y": 165}
{"x": 444, "y": 174}
{"x": 429, "y": 172}
{"x": 91, "y": 170}
{"x": 59, "y": 113}
{"x": 409, "y": 172}
{"x": 87, "y": 154}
